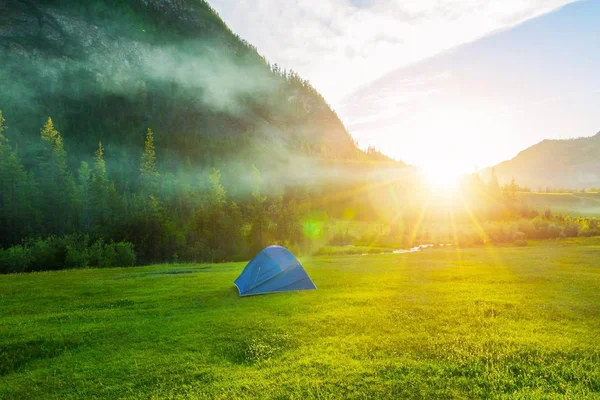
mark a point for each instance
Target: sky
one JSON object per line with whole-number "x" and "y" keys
{"x": 452, "y": 84}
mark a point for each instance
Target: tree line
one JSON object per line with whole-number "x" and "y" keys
{"x": 159, "y": 217}
{"x": 56, "y": 213}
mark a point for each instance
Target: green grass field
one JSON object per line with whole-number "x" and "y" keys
{"x": 479, "y": 323}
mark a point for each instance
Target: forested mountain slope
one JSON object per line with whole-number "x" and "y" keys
{"x": 569, "y": 164}
{"x": 108, "y": 69}
{"x": 170, "y": 139}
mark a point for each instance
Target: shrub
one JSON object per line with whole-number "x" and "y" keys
{"x": 588, "y": 231}
{"x": 366, "y": 240}
{"x": 528, "y": 228}
{"x": 96, "y": 253}
{"x": 15, "y": 259}
{"x": 108, "y": 255}
{"x": 70, "y": 251}
{"x": 518, "y": 236}
{"x": 541, "y": 227}
{"x": 520, "y": 243}
{"x": 124, "y": 255}
{"x": 78, "y": 251}
{"x": 571, "y": 229}
{"x": 341, "y": 239}
{"x": 498, "y": 234}
{"x": 553, "y": 231}
{"x": 47, "y": 254}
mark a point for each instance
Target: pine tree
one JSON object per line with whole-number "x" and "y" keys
{"x": 217, "y": 191}
{"x": 3, "y": 140}
{"x": 293, "y": 226}
{"x": 52, "y": 137}
{"x": 56, "y": 183}
{"x": 149, "y": 174}
{"x": 14, "y": 199}
{"x": 494, "y": 185}
{"x": 83, "y": 195}
{"x": 150, "y": 220}
{"x": 233, "y": 229}
{"x": 513, "y": 188}
{"x": 276, "y": 223}
{"x": 258, "y": 215}
{"x": 99, "y": 192}
{"x": 99, "y": 163}
{"x": 216, "y": 216}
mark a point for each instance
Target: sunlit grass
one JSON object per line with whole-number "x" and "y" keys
{"x": 422, "y": 325}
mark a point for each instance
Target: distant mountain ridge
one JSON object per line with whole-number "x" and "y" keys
{"x": 554, "y": 163}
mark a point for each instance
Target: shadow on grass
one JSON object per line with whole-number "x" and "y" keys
{"x": 15, "y": 356}
{"x": 193, "y": 270}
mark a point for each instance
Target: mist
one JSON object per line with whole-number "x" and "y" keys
{"x": 212, "y": 102}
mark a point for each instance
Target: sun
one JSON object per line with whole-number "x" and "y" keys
{"x": 442, "y": 176}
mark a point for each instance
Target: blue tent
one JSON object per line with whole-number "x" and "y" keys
{"x": 274, "y": 269}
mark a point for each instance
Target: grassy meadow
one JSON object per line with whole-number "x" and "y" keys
{"x": 514, "y": 322}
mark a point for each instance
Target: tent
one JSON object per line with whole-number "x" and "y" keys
{"x": 274, "y": 269}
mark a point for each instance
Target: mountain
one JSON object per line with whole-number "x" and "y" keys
{"x": 207, "y": 152}
{"x": 570, "y": 163}
{"x": 485, "y": 94}
{"x": 106, "y": 70}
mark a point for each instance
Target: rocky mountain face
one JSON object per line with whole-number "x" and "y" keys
{"x": 109, "y": 69}
{"x": 572, "y": 164}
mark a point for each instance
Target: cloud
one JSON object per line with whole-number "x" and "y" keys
{"x": 425, "y": 81}
{"x": 340, "y": 45}
{"x": 483, "y": 102}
